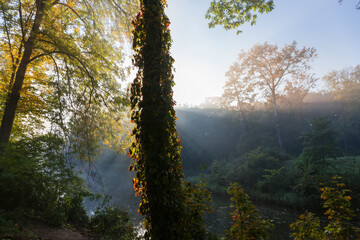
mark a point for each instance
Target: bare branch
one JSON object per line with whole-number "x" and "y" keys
{"x": 44, "y": 54}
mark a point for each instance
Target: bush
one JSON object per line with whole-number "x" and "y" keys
{"x": 273, "y": 181}
{"x": 112, "y": 223}
{"x": 197, "y": 198}
{"x": 249, "y": 168}
{"x": 37, "y": 181}
{"x": 337, "y": 205}
{"x": 308, "y": 227}
{"x": 247, "y": 222}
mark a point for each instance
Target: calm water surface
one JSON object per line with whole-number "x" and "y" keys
{"x": 220, "y": 219}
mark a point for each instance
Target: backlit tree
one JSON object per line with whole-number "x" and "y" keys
{"x": 156, "y": 150}
{"x": 270, "y": 68}
{"x": 61, "y": 63}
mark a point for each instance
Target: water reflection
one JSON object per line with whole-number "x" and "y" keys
{"x": 220, "y": 219}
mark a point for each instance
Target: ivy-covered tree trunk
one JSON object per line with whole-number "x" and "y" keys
{"x": 14, "y": 96}
{"x": 156, "y": 150}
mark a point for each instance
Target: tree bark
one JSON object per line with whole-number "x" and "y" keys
{"x": 163, "y": 183}
{"x": 277, "y": 120}
{"x": 14, "y": 96}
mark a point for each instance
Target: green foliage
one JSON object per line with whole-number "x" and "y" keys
{"x": 276, "y": 177}
{"x": 273, "y": 180}
{"x": 249, "y": 168}
{"x": 7, "y": 227}
{"x": 112, "y": 223}
{"x": 247, "y": 222}
{"x": 156, "y": 147}
{"x": 38, "y": 183}
{"x": 307, "y": 185}
{"x": 308, "y": 227}
{"x": 232, "y": 14}
{"x": 313, "y": 163}
{"x": 255, "y": 163}
{"x": 197, "y": 198}
{"x": 338, "y": 209}
{"x": 68, "y": 71}
{"x": 318, "y": 144}
{"x": 36, "y": 177}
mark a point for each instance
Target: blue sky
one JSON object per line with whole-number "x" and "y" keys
{"x": 203, "y": 55}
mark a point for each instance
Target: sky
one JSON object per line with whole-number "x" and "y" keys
{"x": 203, "y": 56}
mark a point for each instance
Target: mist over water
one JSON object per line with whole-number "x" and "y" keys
{"x": 206, "y": 135}
{"x": 115, "y": 179}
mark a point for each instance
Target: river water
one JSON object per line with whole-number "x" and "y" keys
{"x": 117, "y": 183}
{"x": 220, "y": 219}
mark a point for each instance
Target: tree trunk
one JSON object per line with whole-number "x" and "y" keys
{"x": 277, "y": 120}
{"x": 160, "y": 149}
{"x": 14, "y": 96}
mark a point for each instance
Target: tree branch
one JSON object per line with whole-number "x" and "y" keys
{"x": 58, "y": 92}
{"x": 42, "y": 55}
{"x": 21, "y": 22}
{"x": 73, "y": 10}
{"x": 8, "y": 35}
{"x": 119, "y": 8}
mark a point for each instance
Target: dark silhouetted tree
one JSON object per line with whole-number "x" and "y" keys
{"x": 156, "y": 150}
{"x": 319, "y": 143}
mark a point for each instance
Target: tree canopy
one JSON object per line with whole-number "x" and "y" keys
{"x": 233, "y": 13}
{"x": 62, "y": 65}
{"x": 267, "y": 68}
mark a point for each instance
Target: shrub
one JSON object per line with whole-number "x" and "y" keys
{"x": 112, "y": 223}
{"x": 338, "y": 209}
{"x": 337, "y": 205}
{"x": 37, "y": 181}
{"x": 197, "y": 198}
{"x": 247, "y": 222}
{"x": 308, "y": 227}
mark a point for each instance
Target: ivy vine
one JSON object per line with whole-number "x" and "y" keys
{"x": 156, "y": 147}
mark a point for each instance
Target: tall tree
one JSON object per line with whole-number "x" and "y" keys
{"x": 156, "y": 150}
{"x": 270, "y": 68}
{"x": 239, "y": 92}
{"x": 319, "y": 143}
{"x": 297, "y": 89}
{"x": 58, "y": 54}
{"x": 344, "y": 83}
